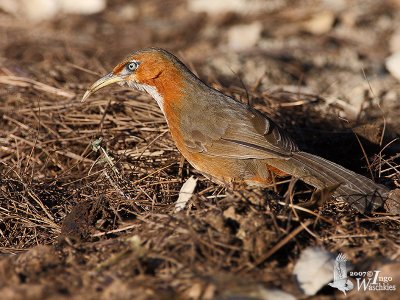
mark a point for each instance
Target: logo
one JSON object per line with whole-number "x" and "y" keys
{"x": 372, "y": 281}
{"x": 366, "y": 281}
{"x": 340, "y": 280}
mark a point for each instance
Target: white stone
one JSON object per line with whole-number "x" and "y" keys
{"x": 242, "y": 37}
{"x": 394, "y": 42}
{"x": 128, "y": 12}
{"x": 39, "y": 10}
{"x": 320, "y": 23}
{"x": 214, "y": 7}
{"x": 85, "y": 7}
{"x": 314, "y": 269}
{"x": 34, "y": 10}
{"x": 393, "y": 64}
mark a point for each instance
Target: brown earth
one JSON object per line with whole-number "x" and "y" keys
{"x": 76, "y": 225}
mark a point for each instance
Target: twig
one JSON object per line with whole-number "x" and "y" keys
{"x": 281, "y": 243}
{"x": 27, "y": 82}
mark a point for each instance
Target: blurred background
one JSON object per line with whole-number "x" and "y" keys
{"x": 324, "y": 45}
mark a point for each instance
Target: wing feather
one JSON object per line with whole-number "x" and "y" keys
{"x": 234, "y": 130}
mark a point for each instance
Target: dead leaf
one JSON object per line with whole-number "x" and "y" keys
{"x": 314, "y": 269}
{"x": 185, "y": 193}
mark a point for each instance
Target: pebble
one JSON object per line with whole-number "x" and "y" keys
{"x": 39, "y": 10}
{"x": 393, "y": 64}
{"x": 243, "y": 37}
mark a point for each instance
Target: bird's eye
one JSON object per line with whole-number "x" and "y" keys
{"x": 132, "y": 66}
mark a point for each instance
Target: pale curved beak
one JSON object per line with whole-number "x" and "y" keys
{"x": 108, "y": 79}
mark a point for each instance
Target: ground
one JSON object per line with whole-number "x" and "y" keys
{"x": 87, "y": 190}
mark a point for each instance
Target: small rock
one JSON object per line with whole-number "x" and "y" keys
{"x": 34, "y": 10}
{"x": 86, "y": 7}
{"x": 242, "y": 7}
{"x": 314, "y": 269}
{"x": 39, "y": 10}
{"x": 320, "y": 23}
{"x": 128, "y": 12}
{"x": 242, "y": 37}
{"x": 394, "y": 43}
{"x": 393, "y": 65}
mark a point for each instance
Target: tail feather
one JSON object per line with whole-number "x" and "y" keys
{"x": 359, "y": 191}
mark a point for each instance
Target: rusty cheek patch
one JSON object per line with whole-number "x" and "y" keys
{"x": 119, "y": 68}
{"x": 151, "y": 70}
{"x": 168, "y": 80}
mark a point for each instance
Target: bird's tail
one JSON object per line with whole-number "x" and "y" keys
{"x": 359, "y": 191}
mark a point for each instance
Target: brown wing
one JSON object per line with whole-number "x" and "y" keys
{"x": 227, "y": 128}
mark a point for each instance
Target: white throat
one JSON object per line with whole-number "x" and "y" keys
{"x": 151, "y": 90}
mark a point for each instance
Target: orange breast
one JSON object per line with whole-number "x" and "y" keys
{"x": 222, "y": 170}
{"x": 171, "y": 86}
{"x": 228, "y": 170}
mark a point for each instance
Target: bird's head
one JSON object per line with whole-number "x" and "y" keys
{"x": 153, "y": 70}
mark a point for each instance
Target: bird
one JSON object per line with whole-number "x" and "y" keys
{"x": 340, "y": 280}
{"x": 229, "y": 141}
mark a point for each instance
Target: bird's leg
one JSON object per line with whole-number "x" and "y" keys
{"x": 180, "y": 168}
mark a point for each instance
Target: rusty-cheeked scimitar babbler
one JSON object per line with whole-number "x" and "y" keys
{"x": 227, "y": 140}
